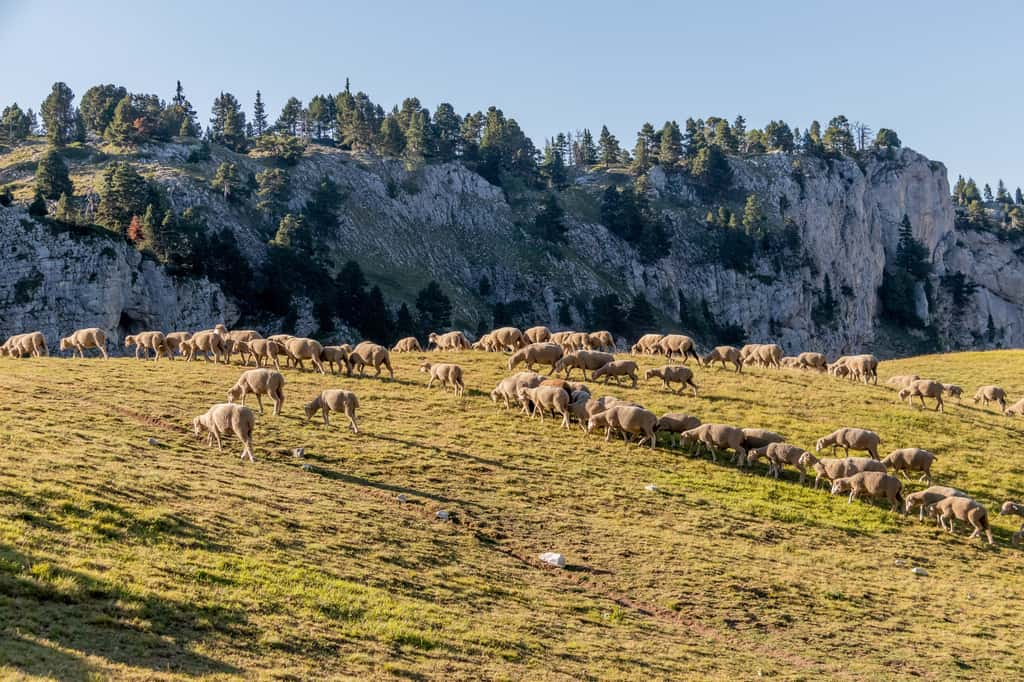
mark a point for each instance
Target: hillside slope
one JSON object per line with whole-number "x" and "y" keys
{"x": 123, "y": 559}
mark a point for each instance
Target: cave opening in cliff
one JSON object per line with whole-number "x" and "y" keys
{"x": 129, "y": 325}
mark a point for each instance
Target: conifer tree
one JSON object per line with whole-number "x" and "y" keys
{"x": 608, "y": 146}
{"x": 120, "y": 130}
{"x": 227, "y": 124}
{"x": 753, "y": 217}
{"x": 445, "y": 126}
{"x": 52, "y": 177}
{"x": 434, "y": 307}
{"x": 14, "y": 124}
{"x": 671, "y": 145}
{"x": 987, "y": 193}
{"x": 838, "y": 138}
{"x": 58, "y": 114}
{"x": 259, "y": 116}
{"x": 226, "y": 180}
{"x": 271, "y": 191}
{"x": 63, "y": 211}
{"x": 123, "y": 193}
{"x": 292, "y": 233}
{"x": 1018, "y": 197}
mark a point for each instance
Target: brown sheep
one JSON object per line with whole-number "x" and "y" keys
{"x": 929, "y": 496}
{"x": 628, "y": 420}
{"x": 407, "y": 345}
{"x": 991, "y": 394}
{"x": 174, "y": 340}
{"x": 447, "y": 374}
{"x": 674, "y": 423}
{"x": 872, "y": 484}
{"x": 923, "y": 388}
{"x": 602, "y": 341}
{"x": 544, "y": 353}
{"x": 449, "y": 341}
{"x": 83, "y": 339}
{"x": 584, "y": 360}
{"x": 966, "y": 510}
{"x": 537, "y": 334}
{"x": 863, "y": 368}
{"x": 768, "y": 355}
{"x": 911, "y": 459}
{"x": 790, "y": 362}
{"x": 226, "y": 419}
{"x": 673, "y": 373}
{"x": 1014, "y": 508}
{"x": 336, "y": 358}
{"x": 334, "y": 400}
{"x": 371, "y": 354}
{"x": 858, "y": 439}
{"x": 832, "y": 468}
{"x": 616, "y": 369}
{"x": 814, "y": 361}
{"x": 259, "y": 382}
{"x": 716, "y": 437}
{"x": 647, "y": 344}
{"x": 724, "y": 354}
{"x": 678, "y": 344}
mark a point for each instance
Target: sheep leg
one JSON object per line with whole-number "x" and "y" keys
{"x": 326, "y": 410}
{"x": 431, "y": 382}
{"x": 853, "y": 494}
{"x": 216, "y": 436}
{"x": 350, "y": 413}
{"x": 259, "y": 401}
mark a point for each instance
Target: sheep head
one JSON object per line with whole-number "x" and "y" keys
{"x": 425, "y": 367}
{"x": 904, "y": 392}
{"x": 309, "y": 409}
{"x": 1011, "y": 508}
{"x": 840, "y": 485}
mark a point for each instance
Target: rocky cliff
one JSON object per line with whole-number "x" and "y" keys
{"x": 444, "y": 222}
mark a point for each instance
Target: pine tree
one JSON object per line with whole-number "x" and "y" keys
{"x": 259, "y": 116}
{"x": 753, "y": 217}
{"x": 404, "y": 324}
{"x": 63, "y": 212}
{"x": 739, "y": 131}
{"x": 227, "y": 125}
{"x": 552, "y": 167}
{"x": 435, "y": 309}
{"x": 226, "y": 180}
{"x": 724, "y": 138}
{"x": 711, "y": 168}
{"x": 148, "y": 229}
{"x": 838, "y": 139}
{"x": 608, "y": 146}
{"x": 52, "y": 177}
{"x": 121, "y": 130}
{"x": 1018, "y": 197}
{"x": 376, "y": 324}
{"x": 987, "y": 193}
{"x": 417, "y": 136}
{"x": 911, "y": 255}
{"x": 887, "y": 138}
{"x": 271, "y": 191}
{"x": 446, "y": 126}
{"x": 292, "y": 233}
{"x": 587, "y": 150}
{"x": 14, "y": 124}
{"x": 1001, "y": 194}
{"x": 288, "y": 121}
{"x": 78, "y": 134}
{"x": 123, "y": 194}
{"x": 671, "y": 145}
{"x": 549, "y": 223}
{"x": 37, "y": 208}
{"x": 392, "y": 139}
{"x": 641, "y": 314}
{"x": 58, "y": 114}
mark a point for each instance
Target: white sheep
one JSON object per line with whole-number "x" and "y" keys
{"x": 858, "y": 439}
{"x": 673, "y": 374}
{"x": 911, "y": 459}
{"x": 445, "y": 373}
{"x": 872, "y": 484}
{"x": 334, "y": 400}
{"x": 226, "y": 419}
{"x": 966, "y": 510}
{"x": 83, "y": 339}
{"x": 259, "y": 382}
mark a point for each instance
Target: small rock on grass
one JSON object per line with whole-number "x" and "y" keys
{"x": 443, "y": 515}
{"x": 917, "y": 570}
{"x": 554, "y": 558}
{"x": 153, "y": 441}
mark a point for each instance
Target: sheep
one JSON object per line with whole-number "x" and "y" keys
{"x": 1017, "y": 509}
{"x": 768, "y": 355}
{"x": 832, "y": 468}
{"x": 560, "y": 337}
{"x": 929, "y": 496}
{"x": 79, "y": 341}
{"x": 911, "y": 459}
{"x": 537, "y": 334}
{"x": 646, "y": 344}
{"x": 840, "y": 371}
{"x": 407, "y": 345}
{"x": 790, "y": 362}
{"x": 724, "y": 354}
{"x": 758, "y": 438}
{"x": 873, "y": 484}
{"x": 259, "y": 382}
{"x": 336, "y": 357}
{"x": 1015, "y": 410}
{"x": 207, "y": 342}
{"x": 244, "y": 350}
{"x": 966, "y": 510}
{"x": 815, "y": 361}
{"x": 991, "y": 394}
{"x": 237, "y": 339}
{"x": 574, "y": 341}
{"x": 923, "y": 388}
{"x": 583, "y": 406}
{"x": 953, "y": 391}
{"x": 863, "y": 368}
{"x": 449, "y": 341}
{"x": 30, "y": 343}
{"x": 716, "y": 436}
{"x": 301, "y": 349}
{"x": 225, "y": 419}
{"x": 145, "y": 342}
{"x": 334, "y": 400}
{"x": 507, "y": 389}
{"x": 780, "y": 454}
{"x": 602, "y": 340}
{"x": 371, "y": 354}
{"x": 546, "y": 398}
{"x": 672, "y": 344}
{"x": 902, "y": 380}
{"x": 544, "y": 353}
{"x": 583, "y": 359}
{"x": 446, "y": 373}
{"x": 674, "y": 423}
{"x": 628, "y": 420}
{"x": 508, "y": 338}
{"x": 265, "y": 351}
{"x": 616, "y": 369}
{"x": 858, "y": 439}
{"x": 673, "y": 373}
{"x": 485, "y": 343}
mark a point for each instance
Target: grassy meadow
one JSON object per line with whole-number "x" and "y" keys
{"x": 122, "y": 559}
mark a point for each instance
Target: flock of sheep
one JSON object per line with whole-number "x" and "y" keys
{"x": 560, "y": 396}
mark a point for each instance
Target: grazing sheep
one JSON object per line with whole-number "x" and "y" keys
{"x": 872, "y": 484}
{"x": 628, "y": 420}
{"x": 966, "y": 510}
{"x": 507, "y": 389}
{"x": 603, "y": 341}
{"x": 616, "y": 369}
{"x": 449, "y": 341}
{"x": 678, "y": 344}
{"x": 264, "y": 351}
{"x": 300, "y": 349}
{"x": 334, "y": 400}
{"x": 1015, "y": 410}
{"x": 237, "y": 339}
{"x": 145, "y": 342}
{"x": 584, "y": 360}
{"x": 244, "y": 351}
{"x": 768, "y": 355}
{"x": 716, "y": 437}
{"x": 647, "y": 344}
{"x": 840, "y": 371}
{"x": 550, "y": 398}
{"x": 758, "y": 438}
{"x": 780, "y": 454}
{"x": 1014, "y": 508}
{"x": 84, "y": 339}
{"x": 991, "y": 394}
{"x": 674, "y": 423}
{"x": 832, "y": 468}
{"x": 673, "y": 373}
{"x": 407, "y": 345}
{"x": 929, "y": 496}
{"x": 790, "y": 362}
{"x": 863, "y": 368}
{"x": 508, "y": 338}
{"x": 485, "y": 343}
{"x": 911, "y": 459}
{"x": 207, "y": 342}
{"x": 447, "y": 374}
{"x": 537, "y": 334}
{"x": 585, "y": 408}
{"x": 923, "y": 388}
{"x": 724, "y": 354}
{"x": 226, "y": 419}
{"x": 259, "y": 382}
{"x": 371, "y": 354}
{"x": 31, "y": 343}
{"x": 335, "y": 357}
{"x": 814, "y": 361}
{"x": 858, "y": 439}
{"x": 953, "y": 391}
{"x": 545, "y": 353}
{"x": 902, "y": 380}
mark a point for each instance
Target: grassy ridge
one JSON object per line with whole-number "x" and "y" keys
{"x": 122, "y": 559}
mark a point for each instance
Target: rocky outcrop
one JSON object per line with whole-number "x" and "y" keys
{"x": 56, "y": 281}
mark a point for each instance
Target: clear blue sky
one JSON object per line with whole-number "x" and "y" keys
{"x": 945, "y": 75}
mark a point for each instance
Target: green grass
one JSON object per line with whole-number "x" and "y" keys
{"x": 120, "y": 559}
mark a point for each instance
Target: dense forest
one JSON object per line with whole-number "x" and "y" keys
{"x": 489, "y": 143}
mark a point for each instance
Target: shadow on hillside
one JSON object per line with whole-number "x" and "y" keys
{"x": 379, "y": 485}
{"x": 445, "y": 450}
{"x": 86, "y": 614}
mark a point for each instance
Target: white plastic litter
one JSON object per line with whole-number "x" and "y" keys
{"x": 305, "y": 467}
{"x": 154, "y": 441}
{"x": 443, "y": 515}
{"x": 554, "y": 558}
{"x": 402, "y": 497}
{"x": 899, "y": 562}
{"x": 917, "y": 570}
{"x": 298, "y": 452}
{"x": 650, "y": 487}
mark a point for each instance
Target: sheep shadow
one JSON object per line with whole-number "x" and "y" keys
{"x": 352, "y": 479}
{"x": 446, "y": 450}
